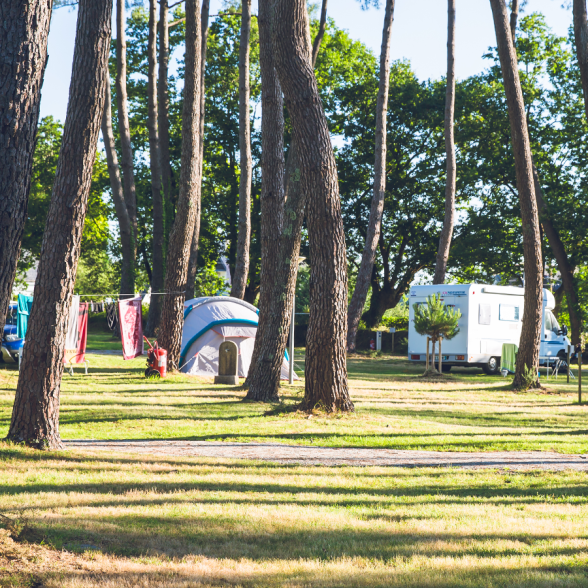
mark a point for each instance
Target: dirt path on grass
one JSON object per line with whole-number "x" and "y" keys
{"x": 335, "y": 456}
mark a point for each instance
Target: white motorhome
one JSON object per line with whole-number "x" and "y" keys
{"x": 490, "y": 316}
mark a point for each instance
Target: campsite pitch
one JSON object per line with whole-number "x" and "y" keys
{"x": 113, "y": 519}
{"x": 394, "y": 410}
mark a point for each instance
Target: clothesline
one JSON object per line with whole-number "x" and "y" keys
{"x": 117, "y": 294}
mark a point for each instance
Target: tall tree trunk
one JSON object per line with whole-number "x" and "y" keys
{"x": 563, "y": 263}
{"x": 316, "y": 45}
{"x": 116, "y": 187}
{"x": 326, "y": 369}
{"x": 528, "y": 355}
{"x": 364, "y": 274}
{"x": 163, "y": 116}
{"x": 581, "y": 37}
{"x": 125, "y": 134}
{"x": 193, "y": 265}
{"x": 278, "y": 282}
{"x": 178, "y": 255}
{"x": 553, "y": 237}
{"x": 35, "y": 414}
{"x": 514, "y": 16}
{"x": 272, "y": 212}
{"x": 449, "y": 220}
{"x": 156, "y": 188}
{"x": 242, "y": 262}
{"x": 23, "y": 45}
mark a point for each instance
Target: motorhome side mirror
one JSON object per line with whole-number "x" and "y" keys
{"x": 564, "y": 330}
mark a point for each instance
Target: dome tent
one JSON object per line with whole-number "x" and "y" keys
{"x": 207, "y": 323}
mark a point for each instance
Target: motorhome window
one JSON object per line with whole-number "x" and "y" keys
{"x": 508, "y": 312}
{"x": 554, "y": 323}
{"x": 485, "y": 314}
{"x": 548, "y": 322}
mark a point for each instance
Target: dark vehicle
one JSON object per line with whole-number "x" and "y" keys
{"x": 11, "y": 343}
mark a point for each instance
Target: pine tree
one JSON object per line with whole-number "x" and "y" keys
{"x": 435, "y": 320}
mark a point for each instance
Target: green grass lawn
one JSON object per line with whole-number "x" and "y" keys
{"x": 394, "y": 409}
{"x": 120, "y": 520}
{"x": 101, "y": 339}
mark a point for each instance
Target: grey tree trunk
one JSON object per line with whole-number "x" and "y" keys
{"x": 565, "y": 267}
{"x": 242, "y": 261}
{"x": 563, "y": 263}
{"x": 128, "y": 175}
{"x": 449, "y": 220}
{"x": 316, "y": 45}
{"x": 581, "y": 37}
{"x": 35, "y": 414}
{"x": 193, "y": 265}
{"x": 116, "y": 187}
{"x": 326, "y": 369}
{"x": 278, "y": 281}
{"x": 163, "y": 115}
{"x": 23, "y": 45}
{"x": 172, "y": 315}
{"x": 514, "y": 15}
{"x": 158, "y": 266}
{"x": 364, "y": 274}
{"x": 528, "y": 355}
{"x": 263, "y": 382}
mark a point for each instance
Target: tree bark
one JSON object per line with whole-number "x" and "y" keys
{"x": 158, "y": 266}
{"x": 193, "y": 265}
{"x": 581, "y": 37}
{"x": 35, "y": 414}
{"x": 563, "y": 263}
{"x": 125, "y": 134}
{"x": 24, "y": 28}
{"x": 528, "y": 355}
{"x": 263, "y": 383}
{"x": 316, "y": 45}
{"x": 278, "y": 271}
{"x": 242, "y": 262}
{"x": 565, "y": 267}
{"x": 172, "y": 315}
{"x": 163, "y": 115}
{"x": 375, "y": 222}
{"x": 326, "y": 369}
{"x": 116, "y": 187}
{"x": 449, "y": 220}
{"x": 514, "y": 16}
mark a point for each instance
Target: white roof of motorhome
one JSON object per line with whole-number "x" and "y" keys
{"x": 465, "y": 289}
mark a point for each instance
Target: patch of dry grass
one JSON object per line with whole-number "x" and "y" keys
{"x": 153, "y": 522}
{"x": 157, "y": 522}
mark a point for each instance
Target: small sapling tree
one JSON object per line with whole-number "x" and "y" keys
{"x": 436, "y": 320}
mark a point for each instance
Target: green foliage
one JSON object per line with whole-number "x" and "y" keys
{"x": 208, "y": 282}
{"x": 435, "y": 319}
{"x": 414, "y": 202}
{"x": 303, "y": 289}
{"x": 558, "y": 131}
{"x": 97, "y": 274}
{"x": 398, "y": 316}
{"x": 96, "y": 237}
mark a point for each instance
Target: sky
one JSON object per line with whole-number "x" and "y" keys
{"x": 419, "y": 34}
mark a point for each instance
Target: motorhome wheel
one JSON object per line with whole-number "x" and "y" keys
{"x": 492, "y": 368}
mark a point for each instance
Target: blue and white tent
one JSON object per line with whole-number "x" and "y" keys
{"x": 210, "y": 321}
